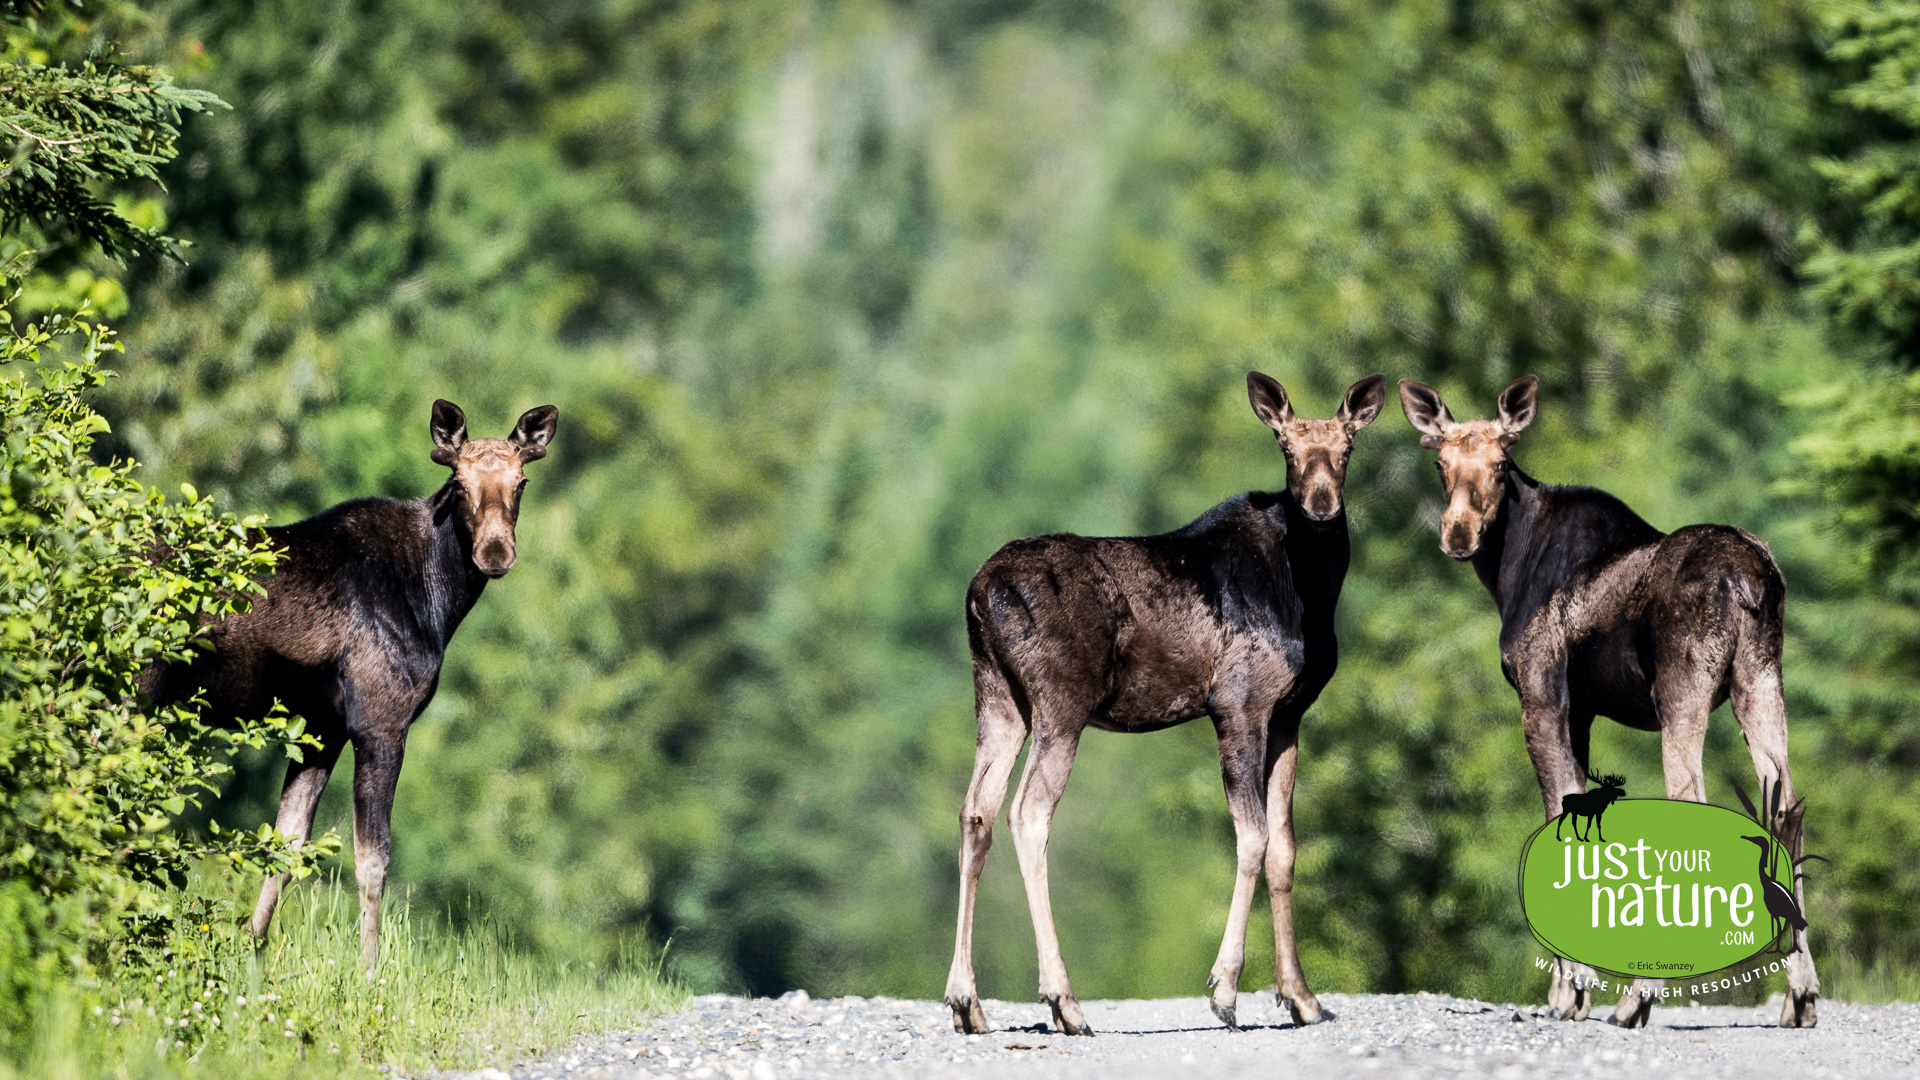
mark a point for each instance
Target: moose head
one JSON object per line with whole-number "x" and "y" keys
{"x": 1316, "y": 450}
{"x": 1473, "y": 458}
{"x": 488, "y": 477}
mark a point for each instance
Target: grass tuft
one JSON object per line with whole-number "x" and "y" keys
{"x": 204, "y": 1002}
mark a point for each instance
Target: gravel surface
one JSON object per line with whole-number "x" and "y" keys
{"x": 725, "y": 1038}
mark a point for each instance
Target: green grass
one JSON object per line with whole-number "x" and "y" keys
{"x": 300, "y": 1007}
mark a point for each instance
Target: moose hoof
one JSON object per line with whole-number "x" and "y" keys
{"x": 1306, "y": 1010}
{"x": 1800, "y": 1011}
{"x": 1632, "y": 1014}
{"x": 1224, "y": 1009}
{"x": 968, "y": 1017}
{"x": 1067, "y": 1016}
{"x": 1567, "y": 999}
{"x": 1572, "y": 1005}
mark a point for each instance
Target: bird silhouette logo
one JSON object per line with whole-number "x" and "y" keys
{"x": 1781, "y": 838}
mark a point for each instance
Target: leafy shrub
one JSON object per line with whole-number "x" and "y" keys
{"x": 100, "y": 578}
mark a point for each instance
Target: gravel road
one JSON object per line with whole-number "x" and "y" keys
{"x": 725, "y": 1038}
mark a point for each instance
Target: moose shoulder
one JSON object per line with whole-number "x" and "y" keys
{"x": 1601, "y": 614}
{"x": 353, "y": 629}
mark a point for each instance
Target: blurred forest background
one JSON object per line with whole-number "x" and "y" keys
{"x": 837, "y": 297}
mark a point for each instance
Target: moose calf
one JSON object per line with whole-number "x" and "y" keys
{"x": 1601, "y": 614}
{"x": 353, "y": 628}
{"x": 1230, "y": 617}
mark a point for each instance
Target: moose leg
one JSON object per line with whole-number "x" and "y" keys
{"x": 299, "y": 797}
{"x": 1041, "y": 785}
{"x": 1002, "y": 731}
{"x": 1544, "y": 721}
{"x": 1762, "y": 711}
{"x": 1683, "y": 702}
{"x": 1290, "y": 982}
{"x": 1243, "y": 755}
{"x": 376, "y": 772}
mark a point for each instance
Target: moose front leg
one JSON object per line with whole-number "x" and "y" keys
{"x": 376, "y": 772}
{"x": 1290, "y": 982}
{"x": 1242, "y": 761}
{"x": 1544, "y": 717}
{"x": 300, "y": 795}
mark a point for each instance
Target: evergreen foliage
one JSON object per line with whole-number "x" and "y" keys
{"x": 100, "y": 578}
{"x": 838, "y": 298}
{"x": 1865, "y": 268}
{"x": 75, "y": 128}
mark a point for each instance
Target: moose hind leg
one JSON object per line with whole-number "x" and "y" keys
{"x": 299, "y": 797}
{"x": 1002, "y": 731}
{"x": 1045, "y": 780}
{"x": 1762, "y": 711}
{"x": 1683, "y": 700}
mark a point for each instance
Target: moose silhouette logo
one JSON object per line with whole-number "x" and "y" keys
{"x": 1589, "y": 806}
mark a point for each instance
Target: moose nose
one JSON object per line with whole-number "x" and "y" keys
{"x": 1321, "y": 501}
{"x": 494, "y": 560}
{"x": 1459, "y": 543}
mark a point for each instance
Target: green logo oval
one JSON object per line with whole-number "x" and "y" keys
{"x": 1656, "y": 888}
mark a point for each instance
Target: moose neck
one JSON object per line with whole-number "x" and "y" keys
{"x": 1318, "y": 552}
{"x": 1512, "y": 544}
{"x": 450, "y": 583}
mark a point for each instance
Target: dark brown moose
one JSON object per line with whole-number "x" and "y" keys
{"x": 1230, "y": 617}
{"x": 353, "y": 628}
{"x": 1601, "y": 614}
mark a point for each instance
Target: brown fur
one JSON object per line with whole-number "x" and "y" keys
{"x": 352, "y": 630}
{"x": 1230, "y": 617}
{"x": 1603, "y": 615}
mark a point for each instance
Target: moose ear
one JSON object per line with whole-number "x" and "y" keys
{"x": 535, "y": 431}
{"x": 1518, "y": 404}
{"x": 1425, "y": 411}
{"x": 1363, "y": 402}
{"x": 449, "y": 431}
{"x": 1269, "y": 400}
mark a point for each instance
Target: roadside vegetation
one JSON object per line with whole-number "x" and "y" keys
{"x": 203, "y": 1002}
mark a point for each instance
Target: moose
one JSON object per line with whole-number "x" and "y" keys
{"x": 1601, "y": 614}
{"x": 352, "y": 631}
{"x": 1230, "y": 617}
{"x": 1590, "y": 806}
